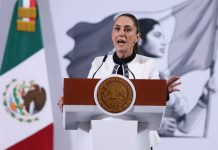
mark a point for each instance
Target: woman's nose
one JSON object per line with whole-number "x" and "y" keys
{"x": 121, "y": 33}
{"x": 163, "y": 42}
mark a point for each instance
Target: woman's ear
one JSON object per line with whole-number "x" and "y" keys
{"x": 140, "y": 41}
{"x": 138, "y": 37}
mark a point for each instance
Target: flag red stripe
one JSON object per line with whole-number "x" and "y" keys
{"x": 42, "y": 140}
{"x": 32, "y": 4}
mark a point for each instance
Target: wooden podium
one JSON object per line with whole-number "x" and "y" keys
{"x": 132, "y": 127}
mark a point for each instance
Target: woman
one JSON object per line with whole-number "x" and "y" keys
{"x": 153, "y": 44}
{"x": 152, "y": 41}
{"x": 125, "y": 61}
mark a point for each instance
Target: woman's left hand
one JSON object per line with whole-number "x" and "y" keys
{"x": 172, "y": 84}
{"x": 60, "y": 103}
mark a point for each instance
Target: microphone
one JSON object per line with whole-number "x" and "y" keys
{"x": 131, "y": 72}
{"x": 123, "y": 63}
{"x": 104, "y": 59}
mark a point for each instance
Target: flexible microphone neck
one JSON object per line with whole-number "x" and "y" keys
{"x": 104, "y": 59}
{"x": 131, "y": 72}
{"x": 123, "y": 63}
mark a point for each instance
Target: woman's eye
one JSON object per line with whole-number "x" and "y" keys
{"x": 116, "y": 28}
{"x": 157, "y": 34}
{"x": 128, "y": 30}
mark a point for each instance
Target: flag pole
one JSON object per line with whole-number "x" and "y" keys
{"x": 212, "y": 71}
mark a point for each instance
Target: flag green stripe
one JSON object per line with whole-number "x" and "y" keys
{"x": 20, "y": 45}
{"x": 20, "y": 3}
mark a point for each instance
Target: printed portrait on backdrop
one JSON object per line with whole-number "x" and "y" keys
{"x": 190, "y": 52}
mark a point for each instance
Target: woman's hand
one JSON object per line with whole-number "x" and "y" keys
{"x": 168, "y": 126}
{"x": 210, "y": 84}
{"x": 208, "y": 88}
{"x": 172, "y": 84}
{"x": 60, "y": 103}
{"x": 180, "y": 105}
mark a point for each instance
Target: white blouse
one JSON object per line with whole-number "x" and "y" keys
{"x": 141, "y": 66}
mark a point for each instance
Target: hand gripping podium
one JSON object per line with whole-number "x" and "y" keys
{"x": 129, "y": 129}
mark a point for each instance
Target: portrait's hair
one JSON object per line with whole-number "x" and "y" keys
{"x": 136, "y": 23}
{"x": 146, "y": 25}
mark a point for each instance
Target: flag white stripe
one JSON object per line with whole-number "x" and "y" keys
{"x": 26, "y": 4}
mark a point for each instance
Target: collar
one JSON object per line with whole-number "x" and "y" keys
{"x": 121, "y": 61}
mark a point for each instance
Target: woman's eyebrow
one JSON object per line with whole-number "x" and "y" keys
{"x": 117, "y": 25}
{"x": 125, "y": 26}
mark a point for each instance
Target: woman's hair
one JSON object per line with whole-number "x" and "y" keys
{"x": 146, "y": 25}
{"x": 136, "y": 23}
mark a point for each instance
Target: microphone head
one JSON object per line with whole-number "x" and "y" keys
{"x": 105, "y": 57}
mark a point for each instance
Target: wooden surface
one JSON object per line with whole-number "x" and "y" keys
{"x": 79, "y": 91}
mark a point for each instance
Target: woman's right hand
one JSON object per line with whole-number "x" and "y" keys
{"x": 208, "y": 88}
{"x": 60, "y": 103}
{"x": 180, "y": 106}
{"x": 168, "y": 126}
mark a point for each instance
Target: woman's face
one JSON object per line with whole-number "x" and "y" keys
{"x": 156, "y": 43}
{"x": 124, "y": 36}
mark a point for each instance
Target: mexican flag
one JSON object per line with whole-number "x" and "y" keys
{"x": 25, "y": 104}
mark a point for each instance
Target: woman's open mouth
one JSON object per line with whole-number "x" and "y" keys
{"x": 121, "y": 42}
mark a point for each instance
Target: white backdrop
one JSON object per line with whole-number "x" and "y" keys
{"x": 59, "y": 16}
{"x": 73, "y": 12}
